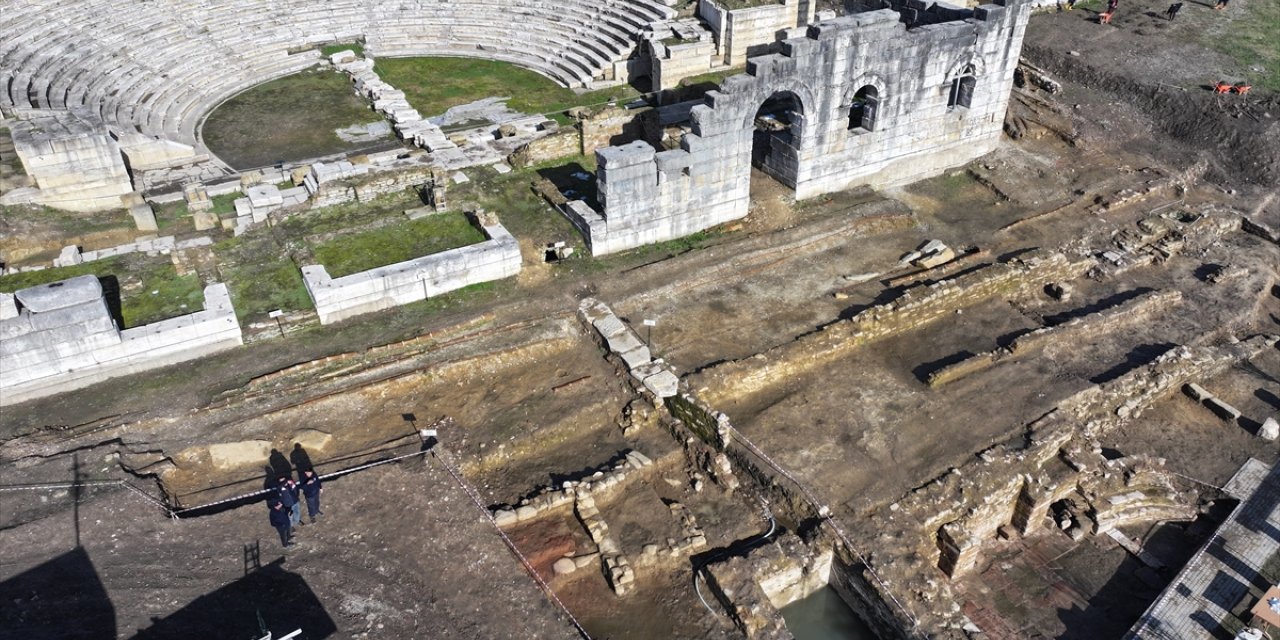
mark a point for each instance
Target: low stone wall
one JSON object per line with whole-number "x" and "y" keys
{"x": 61, "y": 336}
{"x": 654, "y": 376}
{"x": 915, "y": 308}
{"x": 413, "y": 280}
{"x": 612, "y": 125}
{"x": 562, "y": 144}
{"x": 1082, "y": 328}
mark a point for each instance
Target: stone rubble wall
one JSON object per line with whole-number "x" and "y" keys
{"x": 607, "y": 126}
{"x": 562, "y": 144}
{"x": 915, "y": 308}
{"x": 946, "y": 522}
{"x": 413, "y": 280}
{"x": 604, "y": 482}
{"x": 1097, "y": 323}
{"x": 648, "y": 196}
{"x": 75, "y": 342}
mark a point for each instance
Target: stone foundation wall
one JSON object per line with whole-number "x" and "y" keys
{"x": 61, "y": 336}
{"x": 404, "y": 282}
{"x": 648, "y": 196}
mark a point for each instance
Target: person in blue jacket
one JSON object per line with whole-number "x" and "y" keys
{"x": 311, "y": 488}
{"x": 287, "y": 491}
{"x": 280, "y": 520}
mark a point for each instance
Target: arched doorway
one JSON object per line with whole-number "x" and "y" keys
{"x": 776, "y": 136}
{"x": 862, "y": 112}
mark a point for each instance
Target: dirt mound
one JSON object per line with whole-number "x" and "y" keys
{"x": 1240, "y": 134}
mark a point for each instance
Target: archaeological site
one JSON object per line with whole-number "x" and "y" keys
{"x": 640, "y": 319}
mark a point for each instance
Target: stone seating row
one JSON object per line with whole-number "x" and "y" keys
{"x": 161, "y": 64}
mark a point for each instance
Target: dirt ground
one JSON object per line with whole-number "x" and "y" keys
{"x": 402, "y": 552}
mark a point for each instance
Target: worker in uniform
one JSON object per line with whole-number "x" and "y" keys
{"x": 280, "y": 520}
{"x": 311, "y": 488}
{"x": 287, "y": 491}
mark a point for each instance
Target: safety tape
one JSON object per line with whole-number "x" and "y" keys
{"x": 528, "y": 567}
{"x": 262, "y": 492}
{"x": 92, "y": 483}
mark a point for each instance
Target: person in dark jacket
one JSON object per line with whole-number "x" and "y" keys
{"x": 280, "y": 520}
{"x": 311, "y": 489}
{"x": 1173, "y": 10}
{"x": 287, "y": 491}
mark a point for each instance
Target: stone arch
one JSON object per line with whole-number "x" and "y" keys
{"x": 864, "y": 101}
{"x": 966, "y": 59}
{"x": 763, "y": 91}
{"x": 778, "y": 130}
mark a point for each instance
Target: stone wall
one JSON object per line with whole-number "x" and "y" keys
{"x": 562, "y": 144}
{"x": 671, "y": 63}
{"x": 73, "y": 160}
{"x": 404, "y": 282}
{"x": 1082, "y": 328}
{"x": 915, "y": 308}
{"x": 740, "y": 33}
{"x": 61, "y": 336}
{"x": 918, "y": 128}
{"x": 1009, "y": 490}
{"x": 612, "y": 125}
{"x": 754, "y": 31}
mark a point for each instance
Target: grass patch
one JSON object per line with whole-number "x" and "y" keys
{"x": 713, "y": 78}
{"x": 226, "y": 203}
{"x": 1253, "y": 41}
{"x": 261, "y": 277}
{"x": 331, "y": 49}
{"x": 69, "y": 223}
{"x": 433, "y": 85}
{"x": 347, "y": 216}
{"x": 525, "y": 214}
{"x": 288, "y": 119}
{"x": 380, "y": 247}
{"x": 150, "y": 288}
{"x": 257, "y": 266}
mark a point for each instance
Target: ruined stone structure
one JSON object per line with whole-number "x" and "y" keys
{"x": 750, "y": 31}
{"x": 418, "y": 279}
{"x": 183, "y": 58}
{"x": 76, "y": 165}
{"x": 869, "y": 101}
{"x": 61, "y": 336}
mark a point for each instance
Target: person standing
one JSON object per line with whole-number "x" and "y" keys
{"x": 287, "y": 490}
{"x": 280, "y": 520}
{"x": 311, "y": 488}
{"x": 1174, "y": 9}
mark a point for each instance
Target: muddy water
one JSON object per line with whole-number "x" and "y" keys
{"x": 824, "y": 616}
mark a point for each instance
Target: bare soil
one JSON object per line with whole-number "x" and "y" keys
{"x": 401, "y": 550}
